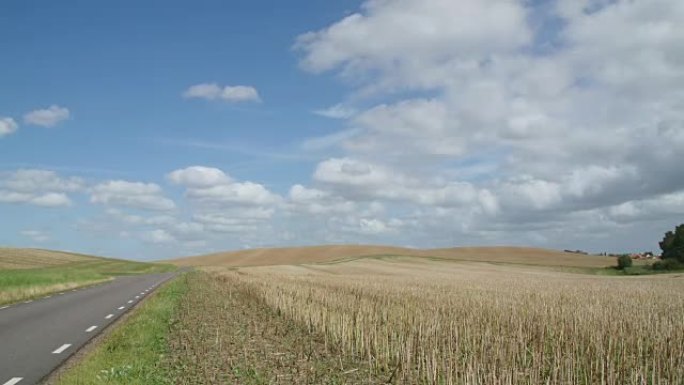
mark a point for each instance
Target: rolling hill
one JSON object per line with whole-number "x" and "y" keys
{"x": 333, "y": 253}
{"x": 11, "y": 258}
{"x": 31, "y": 273}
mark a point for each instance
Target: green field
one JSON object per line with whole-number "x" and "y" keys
{"x": 22, "y": 284}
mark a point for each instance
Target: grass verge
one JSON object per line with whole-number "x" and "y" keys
{"x": 23, "y": 284}
{"x": 135, "y": 352}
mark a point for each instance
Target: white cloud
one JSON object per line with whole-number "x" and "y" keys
{"x": 242, "y": 193}
{"x": 359, "y": 180}
{"x": 47, "y": 117}
{"x": 146, "y": 196}
{"x": 38, "y": 187}
{"x": 32, "y": 180}
{"x": 157, "y": 237}
{"x": 338, "y": 111}
{"x": 205, "y": 91}
{"x": 485, "y": 123}
{"x": 416, "y": 126}
{"x": 211, "y": 186}
{"x": 51, "y": 200}
{"x": 317, "y": 202}
{"x": 399, "y": 39}
{"x": 223, "y": 205}
{"x": 7, "y": 126}
{"x": 653, "y": 208}
{"x": 212, "y": 91}
{"x": 372, "y": 226}
{"x": 198, "y": 176}
{"x": 37, "y": 199}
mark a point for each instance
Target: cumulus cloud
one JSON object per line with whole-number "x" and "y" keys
{"x": 232, "y": 94}
{"x": 242, "y": 193}
{"x": 317, "y": 202}
{"x": 482, "y": 116}
{"x": 399, "y": 40}
{"x": 38, "y": 187}
{"x": 157, "y": 237}
{"x": 224, "y": 205}
{"x": 7, "y": 126}
{"x": 145, "y": 196}
{"x": 214, "y": 187}
{"x": 40, "y": 199}
{"x": 51, "y": 200}
{"x": 32, "y": 180}
{"x": 47, "y": 117}
{"x": 393, "y": 130}
{"x": 357, "y": 179}
{"x": 198, "y": 177}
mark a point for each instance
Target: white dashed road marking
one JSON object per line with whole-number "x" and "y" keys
{"x": 61, "y": 349}
{"x": 13, "y": 381}
{"x": 90, "y": 329}
{"x": 4, "y": 307}
{"x": 121, "y": 307}
{"x": 109, "y": 316}
{"x": 130, "y": 301}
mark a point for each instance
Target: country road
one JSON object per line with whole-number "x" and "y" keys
{"x": 37, "y": 336}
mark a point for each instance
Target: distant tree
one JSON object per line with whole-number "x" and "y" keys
{"x": 672, "y": 244}
{"x": 668, "y": 264}
{"x": 624, "y": 261}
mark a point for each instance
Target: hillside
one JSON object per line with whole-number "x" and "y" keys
{"x": 332, "y": 253}
{"x": 11, "y": 258}
{"x": 31, "y": 273}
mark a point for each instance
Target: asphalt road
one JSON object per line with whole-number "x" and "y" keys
{"x": 37, "y": 336}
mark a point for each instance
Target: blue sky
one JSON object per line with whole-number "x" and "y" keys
{"x": 416, "y": 123}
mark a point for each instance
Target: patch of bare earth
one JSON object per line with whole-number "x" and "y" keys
{"x": 226, "y": 334}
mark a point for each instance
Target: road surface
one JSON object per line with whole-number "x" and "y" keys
{"x": 37, "y": 336}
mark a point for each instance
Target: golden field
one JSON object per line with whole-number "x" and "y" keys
{"x": 424, "y": 321}
{"x": 333, "y": 253}
{"x": 11, "y": 258}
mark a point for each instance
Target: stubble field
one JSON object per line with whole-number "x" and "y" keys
{"x": 420, "y": 321}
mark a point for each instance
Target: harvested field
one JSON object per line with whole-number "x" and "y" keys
{"x": 419, "y": 321}
{"x": 226, "y": 334}
{"x": 34, "y": 258}
{"x": 333, "y": 253}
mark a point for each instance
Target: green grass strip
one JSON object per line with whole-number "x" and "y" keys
{"x": 22, "y": 284}
{"x": 134, "y": 353}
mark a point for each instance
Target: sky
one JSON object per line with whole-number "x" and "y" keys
{"x": 155, "y": 129}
